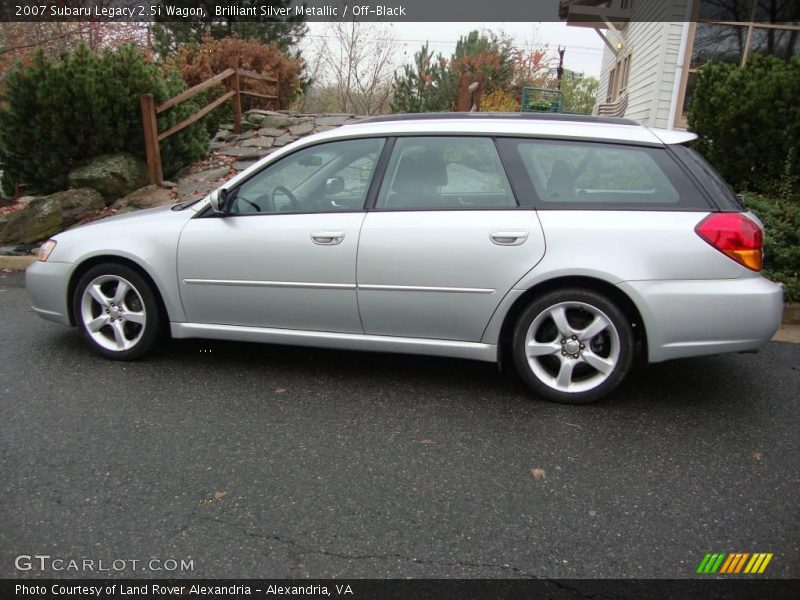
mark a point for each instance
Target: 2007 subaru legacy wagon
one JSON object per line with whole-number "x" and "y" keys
{"x": 561, "y": 245}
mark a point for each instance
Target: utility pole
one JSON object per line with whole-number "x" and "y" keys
{"x": 560, "y": 70}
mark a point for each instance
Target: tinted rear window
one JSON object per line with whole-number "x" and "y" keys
{"x": 722, "y": 193}
{"x": 561, "y": 174}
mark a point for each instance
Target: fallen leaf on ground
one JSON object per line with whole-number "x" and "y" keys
{"x": 592, "y": 513}
{"x": 537, "y": 473}
{"x": 280, "y": 390}
{"x": 757, "y": 455}
{"x": 425, "y": 442}
{"x": 220, "y": 495}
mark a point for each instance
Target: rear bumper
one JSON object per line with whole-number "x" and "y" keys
{"x": 47, "y": 283}
{"x": 693, "y": 318}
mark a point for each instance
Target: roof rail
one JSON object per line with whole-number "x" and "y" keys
{"x": 520, "y": 116}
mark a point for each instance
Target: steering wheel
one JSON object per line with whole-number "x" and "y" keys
{"x": 292, "y": 198}
{"x": 253, "y": 204}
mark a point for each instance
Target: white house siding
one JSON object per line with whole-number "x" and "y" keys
{"x": 654, "y": 45}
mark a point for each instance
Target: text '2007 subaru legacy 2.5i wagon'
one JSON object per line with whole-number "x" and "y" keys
{"x": 560, "y": 245}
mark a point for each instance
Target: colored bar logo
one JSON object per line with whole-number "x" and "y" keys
{"x": 734, "y": 563}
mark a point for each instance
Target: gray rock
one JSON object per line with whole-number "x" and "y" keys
{"x": 168, "y": 184}
{"x": 241, "y": 165}
{"x": 243, "y": 153}
{"x": 260, "y": 142}
{"x": 271, "y": 131}
{"x": 25, "y": 200}
{"x": 254, "y": 117}
{"x": 278, "y": 120}
{"x": 302, "y": 129}
{"x": 223, "y": 135}
{"x": 327, "y": 120}
{"x": 214, "y": 146}
{"x": 146, "y": 197}
{"x": 47, "y": 215}
{"x": 113, "y": 175}
{"x": 226, "y": 127}
{"x": 284, "y": 139}
{"x": 190, "y": 190}
{"x": 208, "y": 174}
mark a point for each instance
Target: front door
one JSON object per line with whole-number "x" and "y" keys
{"x": 445, "y": 242}
{"x": 285, "y": 254}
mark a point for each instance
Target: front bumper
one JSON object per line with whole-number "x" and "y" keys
{"x": 47, "y": 283}
{"x": 694, "y": 318}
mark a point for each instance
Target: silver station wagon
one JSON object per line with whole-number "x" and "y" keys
{"x": 562, "y": 245}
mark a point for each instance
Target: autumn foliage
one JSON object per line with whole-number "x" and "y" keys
{"x": 198, "y": 62}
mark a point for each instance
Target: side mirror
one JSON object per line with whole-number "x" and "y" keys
{"x": 218, "y": 199}
{"x": 334, "y": 185}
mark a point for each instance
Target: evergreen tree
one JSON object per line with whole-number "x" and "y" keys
{"x": 426, "y": 85}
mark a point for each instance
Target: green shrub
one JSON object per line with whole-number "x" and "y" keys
{"x": 748, "y": 119}
{"x": 781, "y": 220}
{"x": 59, "y": 113}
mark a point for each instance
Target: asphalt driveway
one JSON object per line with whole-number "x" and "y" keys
{"x": 266, "y": 461}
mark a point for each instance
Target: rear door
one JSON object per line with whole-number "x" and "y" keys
{"x": 445, "y": 241}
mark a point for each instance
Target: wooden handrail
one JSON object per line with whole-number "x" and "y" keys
{"x": 196, "y": 116}
{"x": 257, "y": 95}
{"x": 150, "y": 111}
{"x": 194, "y": 90}
{"x": 259, "y": 76}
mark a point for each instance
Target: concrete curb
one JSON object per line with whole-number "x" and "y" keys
{"x": 16, "y": 263}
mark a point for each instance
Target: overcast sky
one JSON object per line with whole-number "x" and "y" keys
{"x": 584, "y": 47}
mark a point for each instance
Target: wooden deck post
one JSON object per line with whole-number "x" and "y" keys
{"x": 233, "y": 84}
{"x": 151, "y": 145}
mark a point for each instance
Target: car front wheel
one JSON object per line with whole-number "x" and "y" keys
{"x": 573, "y": 346}
{"x": 117, "y": 311}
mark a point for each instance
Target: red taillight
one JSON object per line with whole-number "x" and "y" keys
{"x": 734, "y": 235}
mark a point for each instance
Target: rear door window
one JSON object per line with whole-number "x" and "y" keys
{"x": 445, "y": 173}
{"x": 561, "y": 174}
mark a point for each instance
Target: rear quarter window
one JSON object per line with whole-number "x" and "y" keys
{"x": 566, "y": 174}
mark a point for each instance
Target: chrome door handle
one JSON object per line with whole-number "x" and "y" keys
{"x": 509, "y": 238}
{"x": 327, "y": 238}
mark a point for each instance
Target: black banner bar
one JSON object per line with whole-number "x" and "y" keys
{"x": 744, "y": 588}
{"x": 395, "y": 10}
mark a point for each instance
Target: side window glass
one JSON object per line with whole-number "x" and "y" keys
{"x": 573, "y": 174}
{"x": 322, "y": 178}
{"x": 445, "y": 173}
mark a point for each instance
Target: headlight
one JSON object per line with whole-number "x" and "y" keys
{"x": 45, "y": 249}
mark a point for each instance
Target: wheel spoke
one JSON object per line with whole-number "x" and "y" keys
{"x": 559, "y": 316}
{"x": 564, "y": 377}
{"x": 122, "y": 290}
{"x": 97, "y": 323}
{"x": 599, "y": 363}
{"x": 598, "y": 325}
{"x": 135, "y": 317}
{"x": 96, "y": 293}
{"x": 534, "y": 348}
{"x": 119, "y": 335}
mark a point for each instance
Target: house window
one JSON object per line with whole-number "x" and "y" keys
{"x": 618, "y": 79}
{"x": 729, "y": 31}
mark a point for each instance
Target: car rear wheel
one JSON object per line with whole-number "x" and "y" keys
{"x": 573, "y": 346}
{"x": 117, "y": 311}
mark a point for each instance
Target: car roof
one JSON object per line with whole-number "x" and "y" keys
{"x": 551, "y": 125}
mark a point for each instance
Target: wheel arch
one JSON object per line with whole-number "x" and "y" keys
{"x": 613, "y": 292}
{"x": 99, "y": 259}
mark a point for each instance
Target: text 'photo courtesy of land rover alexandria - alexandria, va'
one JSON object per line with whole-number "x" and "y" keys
{"x": 562, "y": 246}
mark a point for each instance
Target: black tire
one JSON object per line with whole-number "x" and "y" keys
{"x": 141, "y": 299}
{"x": 612, "y": 349}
